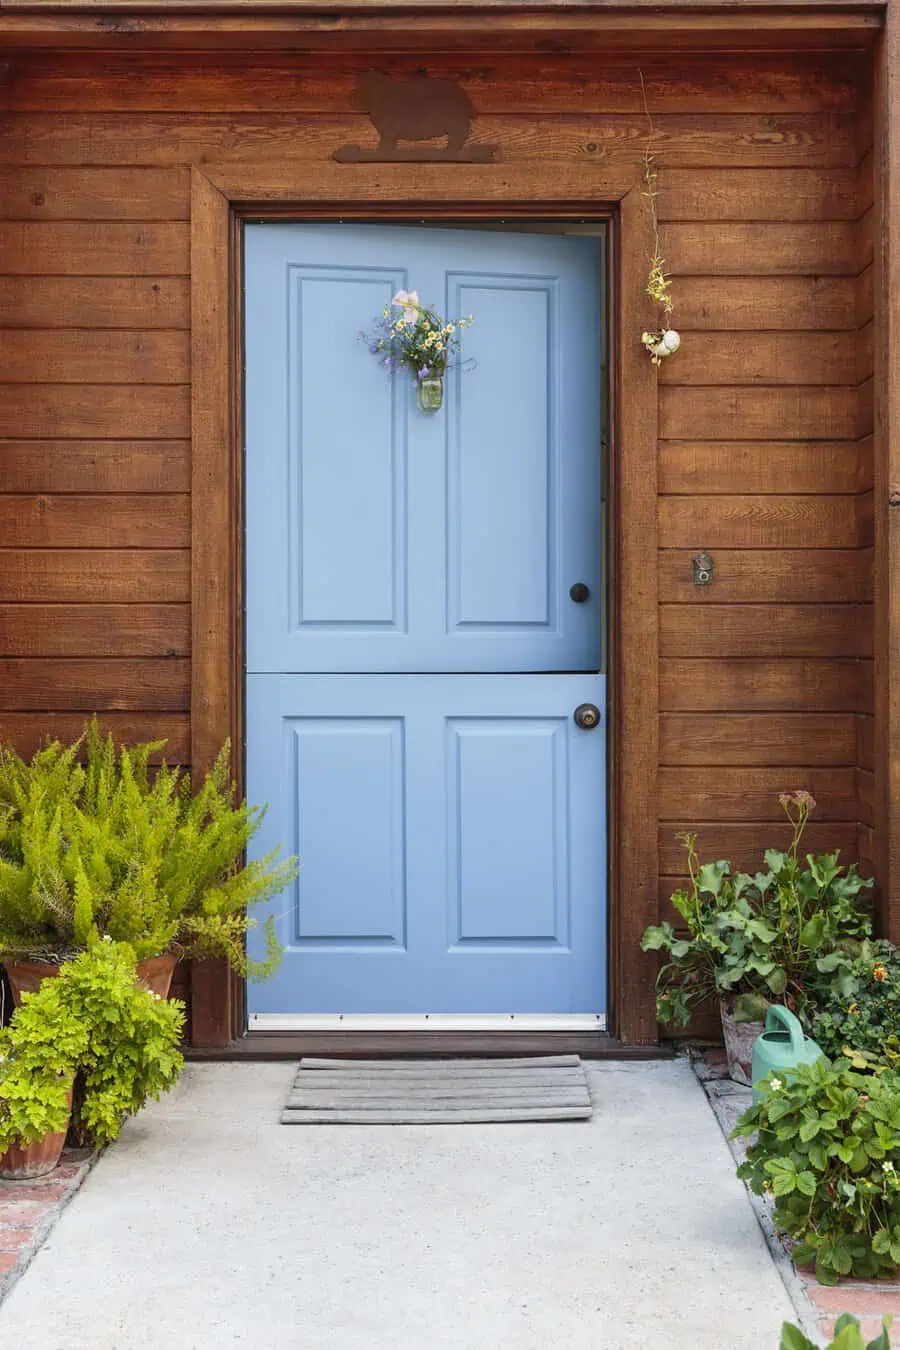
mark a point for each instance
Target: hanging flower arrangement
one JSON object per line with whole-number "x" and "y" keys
{"x": 420, "y": 340}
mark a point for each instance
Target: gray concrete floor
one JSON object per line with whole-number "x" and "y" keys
{"x": 209, "y": 1225}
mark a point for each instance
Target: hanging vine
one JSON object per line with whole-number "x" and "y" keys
{"x": 664, "y": 340}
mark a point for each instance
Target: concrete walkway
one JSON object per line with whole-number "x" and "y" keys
{"x": 210, "y": 1226}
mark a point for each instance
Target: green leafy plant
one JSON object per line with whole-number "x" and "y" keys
{"x": 847, "y": 1336}
{"x": 94, "y": 1021}
{"x": 858, "y": 1006}
{"x": 94, "y": 845}
{"x": 828, "y": 1150}
{"x": 763, "y": 937}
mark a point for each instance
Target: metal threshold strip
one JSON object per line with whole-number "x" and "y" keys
{"x": 427, "y": 1022}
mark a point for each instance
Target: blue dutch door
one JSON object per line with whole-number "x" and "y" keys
{"x": 415, "y": 648}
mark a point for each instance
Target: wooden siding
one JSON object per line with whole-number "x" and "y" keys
{"x": 765, "y": 452}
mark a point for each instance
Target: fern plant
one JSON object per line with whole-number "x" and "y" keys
{"x": 93, "y": 845}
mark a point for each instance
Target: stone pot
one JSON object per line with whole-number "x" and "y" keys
{"x": 739, "y": 1038}
{"x": 25, "y": 977}
{"x": 23, "y": 1162}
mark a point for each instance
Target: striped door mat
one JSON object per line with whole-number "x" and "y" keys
{"x": 437, "y": 1092}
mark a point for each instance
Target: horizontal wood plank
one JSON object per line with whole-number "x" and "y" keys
{"x": 727, "y": 194}
{"x": 759, "y": 414}
{"x": 67, "y": 248}
{"x": 744, "y": 845}
{"x": 94, "y": 630}
{"x": 763, "y": 684}
{"x": 762, "y": 740}
{"x": 717, "y": 248}
{"x": 720, "y": 794}
{"x": 83, "y": 356}
{"x": 762, "y": 358}
{"x": 761, "y": 630}
{"x": 803, "y": 140}
{"x": 94, "y": 466}
{"x": 494, "y": 84}
{"x": 28, "y": 731}
{"x": 746, "y": 575}
{"x": 730, "y": 304}
{"x": 51, "y": 685}
{"x": 764, "y": 467}
{"x": 765, "y": 522}
{"x": 96, "y": 194}
{"x": 84, "y": 575}
{"x": 122, "y": 520}
{"x": 105, "y": 410}
{"x": 94, "y": 302}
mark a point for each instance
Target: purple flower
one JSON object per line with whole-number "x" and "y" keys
{"x": 424, "y": 370}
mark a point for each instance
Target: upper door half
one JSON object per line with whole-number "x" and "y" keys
{"x": 423, "y": 542}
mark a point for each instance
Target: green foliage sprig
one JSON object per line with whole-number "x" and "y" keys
{"x": 662, "y": 341}
{"x": 100, "y": 848}
{"x": 828, "y": 1149}
{"x": 96, "y": 1021}
{"x": 847, "y": 1336}
{"x": 761, "y": 937}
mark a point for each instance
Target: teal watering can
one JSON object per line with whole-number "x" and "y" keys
{"x": 781, "y": 1047}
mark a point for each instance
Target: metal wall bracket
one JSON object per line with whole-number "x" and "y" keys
{"x": 703, "y": 568}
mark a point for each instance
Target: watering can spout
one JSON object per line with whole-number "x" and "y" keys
{"x": 782, "y": 1047}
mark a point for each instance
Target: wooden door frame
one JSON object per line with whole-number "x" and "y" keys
{"x": 221, "y": 198}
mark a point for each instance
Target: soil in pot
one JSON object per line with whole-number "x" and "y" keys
{"x": 25, "y": 977}
{"x": 739, "y": 1038}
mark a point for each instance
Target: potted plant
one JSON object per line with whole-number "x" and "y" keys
{"x": 847, "y": 1336}
{"x": 94, "y": 1029}
{"x": 92, "y": 845}
{"x": 828, "y": 1150}
{"x": 750, "y": 940}
{"x": 858, "y": 1006}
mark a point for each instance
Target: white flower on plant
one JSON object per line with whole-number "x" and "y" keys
{"x": 408, "y": 301}
{"x": 775, "y": 1084}
{"x": 106, "y": 937}
{"x": 887, "y": 1167}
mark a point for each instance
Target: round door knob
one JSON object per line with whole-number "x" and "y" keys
{"x": 587, "y": 716}
{"x": 579, "y": 592}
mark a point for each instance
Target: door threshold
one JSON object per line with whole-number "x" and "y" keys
{"x": 293, "y": 1045}
{"x": 459, "y": 1022}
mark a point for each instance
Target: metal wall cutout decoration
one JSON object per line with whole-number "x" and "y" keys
{"x": 415, "y": 109}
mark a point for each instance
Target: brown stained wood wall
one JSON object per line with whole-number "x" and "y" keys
{"x": 764, "y": 416}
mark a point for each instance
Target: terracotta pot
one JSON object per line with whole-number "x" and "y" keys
{"x": 25, "y": 977}
{"x": 739, "y": 1038}
{"x": 22, "y": 1162}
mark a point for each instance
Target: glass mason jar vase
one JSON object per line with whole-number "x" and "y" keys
{"x": 430, "y": 392}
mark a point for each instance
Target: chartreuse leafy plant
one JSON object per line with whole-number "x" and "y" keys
{"x": 92, "y": 845}
{"x": 828, "y": 1150}
{"x": 847, "y": 1336}
{"x": 96, "y": 1025}
{"x": 759, "y": 938}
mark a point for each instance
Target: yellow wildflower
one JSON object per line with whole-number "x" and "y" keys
{"x": 879, "y": 971}
{"x": 853, "y": 1009}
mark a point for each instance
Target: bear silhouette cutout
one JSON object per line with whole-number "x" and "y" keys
{"x": 415, "y": 109}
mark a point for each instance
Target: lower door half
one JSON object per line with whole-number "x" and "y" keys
{"x": 452, "y": 835}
